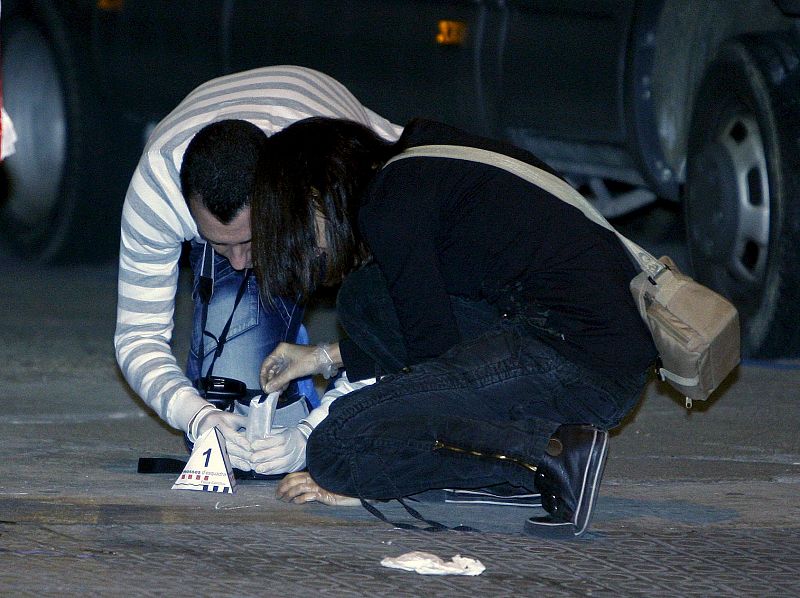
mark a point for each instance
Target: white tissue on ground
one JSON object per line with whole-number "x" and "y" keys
{"x": 430, "y": 564}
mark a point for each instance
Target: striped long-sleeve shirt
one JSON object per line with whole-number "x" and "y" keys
{"x": 156, "y": 220}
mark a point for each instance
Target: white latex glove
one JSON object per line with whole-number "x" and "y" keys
{"x": 232, "y": 426}
{"x": 285, "y": 450}
{"x": 289, "y": 362}
{"x": 301, "y": 488}
{"x": 282, "y": 451}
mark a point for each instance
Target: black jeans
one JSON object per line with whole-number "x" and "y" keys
{"x": 478, "y": 415}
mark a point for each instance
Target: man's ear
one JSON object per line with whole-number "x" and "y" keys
{"x": 193, "y": 202}
{"x": 321, "y": 224}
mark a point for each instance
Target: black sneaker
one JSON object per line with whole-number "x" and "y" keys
{"x": 569, "y": 478}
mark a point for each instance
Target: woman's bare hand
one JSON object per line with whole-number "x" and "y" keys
{"x": 300, "y": 488}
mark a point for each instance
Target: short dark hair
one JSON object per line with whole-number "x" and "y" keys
{"x": 219, "y": 165}
{"x": 314, "y": 165}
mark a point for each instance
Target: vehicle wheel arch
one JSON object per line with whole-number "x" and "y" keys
{"x": 675, "y": 41}
{"x": 50, "y": 229}
{"x": 746, "y": 248}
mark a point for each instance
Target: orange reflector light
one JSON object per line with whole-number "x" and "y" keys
{"x": 110, "y": 5}
{"x": 451, "y": 33}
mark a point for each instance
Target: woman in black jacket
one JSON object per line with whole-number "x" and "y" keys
{"x": 496, "y": 318}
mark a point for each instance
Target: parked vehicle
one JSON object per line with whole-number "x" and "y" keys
{"x": 692, "y": 101}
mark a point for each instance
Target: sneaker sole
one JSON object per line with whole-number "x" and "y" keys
{"x": 547, "y": 527}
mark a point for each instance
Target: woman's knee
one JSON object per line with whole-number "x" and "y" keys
{"x": 327, "y": 464}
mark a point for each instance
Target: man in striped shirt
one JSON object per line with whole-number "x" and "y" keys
{"x": 156, "y": 221}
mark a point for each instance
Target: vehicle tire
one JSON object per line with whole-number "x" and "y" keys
{"x": 52, "y": 202}
{"x": 742, "y": 194}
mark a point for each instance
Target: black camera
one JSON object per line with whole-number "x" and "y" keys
{"x": 222, "y": 392}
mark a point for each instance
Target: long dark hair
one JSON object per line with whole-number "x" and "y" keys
{"x": 317, "y": 165}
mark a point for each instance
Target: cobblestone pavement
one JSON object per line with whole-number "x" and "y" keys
{"x": 269, "y": 559}
{"x": 693, "y": 503}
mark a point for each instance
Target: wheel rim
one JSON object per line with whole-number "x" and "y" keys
{"x": 730, "y": 219}
{"x": 34, "y": 98}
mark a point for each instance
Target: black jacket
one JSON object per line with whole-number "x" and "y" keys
{"x": 439, "y": 227}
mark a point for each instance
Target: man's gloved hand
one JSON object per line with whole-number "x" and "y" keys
{"x": 289, "y": 362}
{"x": 232, "y": 426}
{"x": 284, "y": 450}
{"x": 301, "y": 488}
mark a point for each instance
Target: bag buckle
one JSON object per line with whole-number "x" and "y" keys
{"x": 659, "y": 367}
{"x": 654, "y": 277}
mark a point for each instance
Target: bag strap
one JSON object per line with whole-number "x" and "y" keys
{"x": 542, "y": 179}
{"x": 223, "y": 337}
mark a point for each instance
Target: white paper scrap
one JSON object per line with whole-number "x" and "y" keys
{"x": 430, "y": 564}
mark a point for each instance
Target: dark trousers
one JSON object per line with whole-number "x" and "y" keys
{"x": 480, "y": 414}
